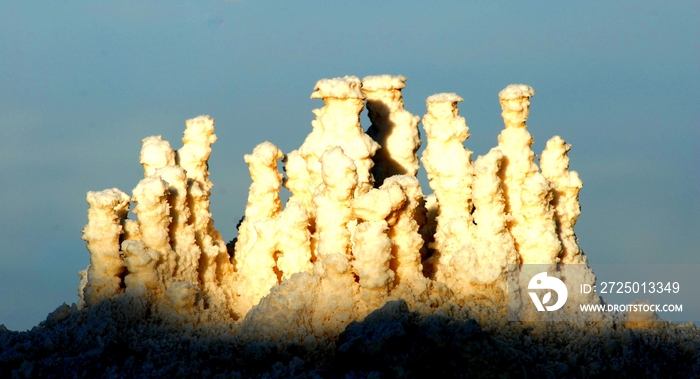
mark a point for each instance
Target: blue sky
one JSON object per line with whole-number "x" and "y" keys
{"x": 81, "y": 82}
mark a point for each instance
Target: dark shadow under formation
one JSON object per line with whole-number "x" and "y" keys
{"x": 122, "y": 337}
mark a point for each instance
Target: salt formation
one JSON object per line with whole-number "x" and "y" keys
{"x": 333, "y": 200}
{"x": 214, "y": 262}
{"x": 338, "y": 124}
{"x": 255, "y": 246}
{"x": 404, "y": 229}
{"x": 153, "y": 251}
{"x": 357, "y": 233}
{"x": 298, "y": 180}
{"x": 393, "y": 127}
{"x": 358, "y": 266}
{"x": 155, "y": 153}
{"x": 495, "y": 244}
{"x": 565, "y": 188}
{"x": 450, "y": 172}
{"x": 182, "y": 235}
{"x": 108, "y": 209}
{"x": 263, "y": 197}
{"x": 372, "y": 247}
{"x": 527, "y": 191}
{"x": 173, "y": 248}
{"x": 272, "y": 245}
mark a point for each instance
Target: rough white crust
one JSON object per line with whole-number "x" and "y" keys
{"x": 193, "y": 157}
{"x": 450, "y": 172}
{"x": 516, "y": 91}
{"x": 383, "y": 82}
{"x": 444, "y": 97}
{"x": 155, "y": 153}
{"x": 526, "y": 190}
{"x": 393, "y": 128}
{"x": 354, "y": 234}
{"x": 565, "y": 188}
{"x": 108, "y": 209}
{"x": 341, "y": 88}
{"x": 338, "y": 124}
{"x": 256, "y": 245}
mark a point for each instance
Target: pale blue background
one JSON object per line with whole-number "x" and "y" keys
{"x": 81, "y": 82}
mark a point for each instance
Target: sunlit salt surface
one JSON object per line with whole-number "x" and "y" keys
{"x": 360, "y": 274}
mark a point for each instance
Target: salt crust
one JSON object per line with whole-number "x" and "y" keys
{"x": 345, "y": 247}
{"x": 444, "y": 98}
{"x": 366, "y": 241}
{"x": 340, "y": 88}
{"x": 393, "y": 128}
{"x": 516, "y": 91}
{"x": 383, "y": 82}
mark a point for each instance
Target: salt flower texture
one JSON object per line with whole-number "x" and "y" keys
{"x": 354, "y": 220}
{"x": 359, "y": 259}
